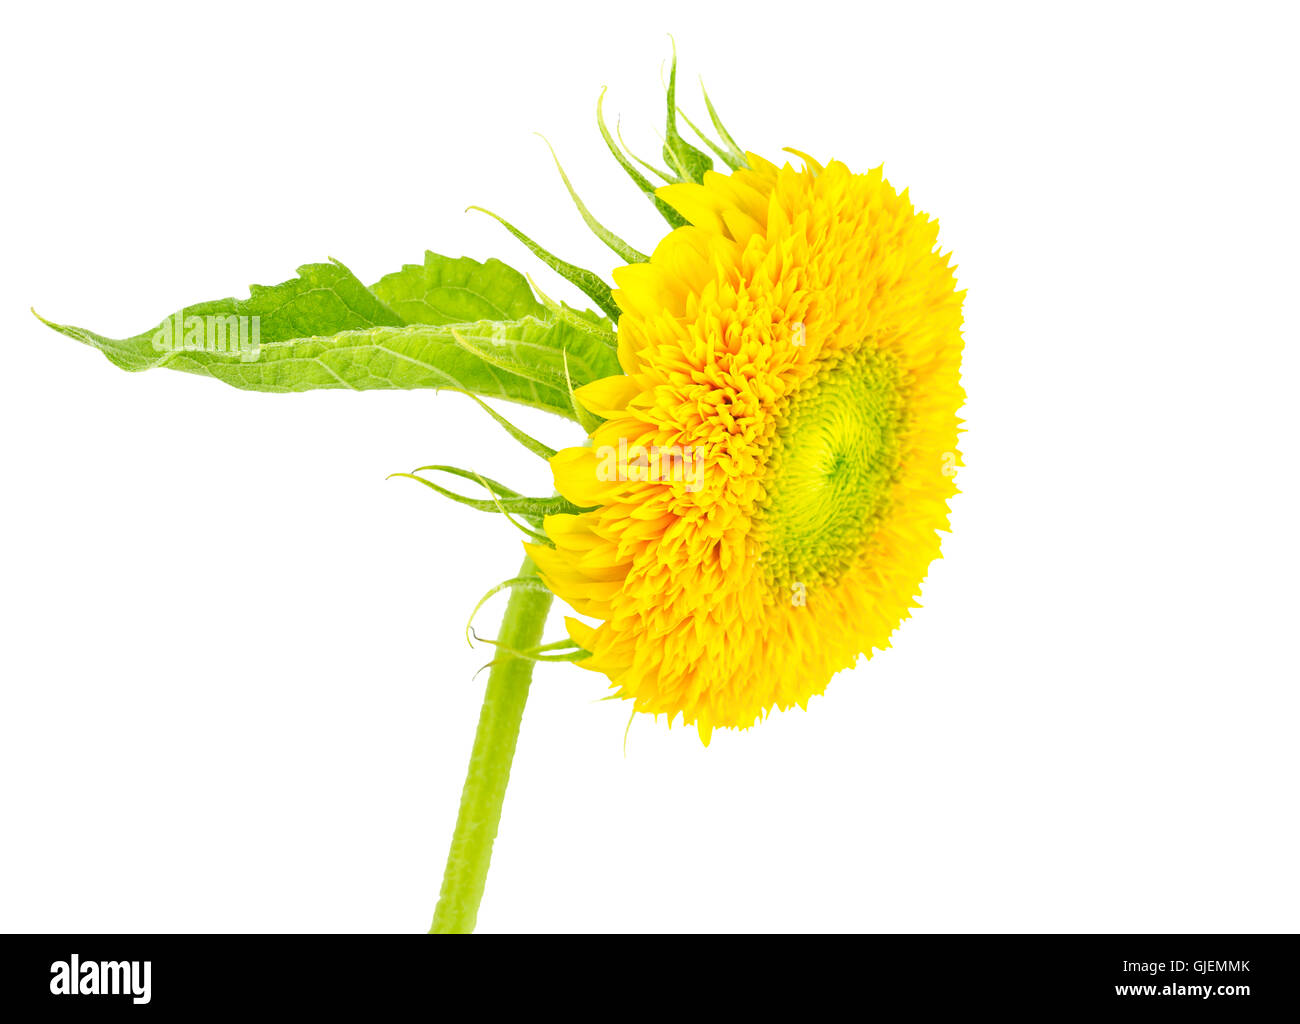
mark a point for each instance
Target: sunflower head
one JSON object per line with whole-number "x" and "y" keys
{"x": 765, "y": 480}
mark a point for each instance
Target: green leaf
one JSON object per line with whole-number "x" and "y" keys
{"x": 550, "y": 353}
{"x": 324, "y": 299}
{"x": 443, "y": 290}
{"x": 324, "y": 329}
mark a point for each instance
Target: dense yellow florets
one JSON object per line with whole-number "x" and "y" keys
{"x": 778, "y": 455}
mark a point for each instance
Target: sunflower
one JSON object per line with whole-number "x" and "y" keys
{"x": 763, "y": 497}
{"x": 770, "y": 407}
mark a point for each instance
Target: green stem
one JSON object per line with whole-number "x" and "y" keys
{"x": 489, "y": 763}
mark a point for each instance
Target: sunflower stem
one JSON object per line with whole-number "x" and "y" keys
{"x": 489, "y": 762}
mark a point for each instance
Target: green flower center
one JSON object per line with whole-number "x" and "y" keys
{"x": 829, "y": 473}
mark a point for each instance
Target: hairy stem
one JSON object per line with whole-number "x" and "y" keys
{"x": 489, "y": 763}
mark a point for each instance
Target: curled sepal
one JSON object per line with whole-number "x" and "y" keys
{"x": 723, "y": 155}
{"x": 586, "y": 321}
{"x": 527, "y": 440}
{"x": 668, "y": 177}
{"x": 517, "y": 583}
{"x": 537, "y": 654}
{"x": 536, "y": 520}
{"x": 586, "y": 419}
{"x": 674, "y": 219}
{"x": 732, "y": 155}
{"x": 502, "y": 499}
{"x": 588, "y": 281}
{"x": 682, "y": 157}
{"x": 624, "y": 251}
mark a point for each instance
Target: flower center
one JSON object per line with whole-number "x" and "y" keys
{"x": 829, "y": 472}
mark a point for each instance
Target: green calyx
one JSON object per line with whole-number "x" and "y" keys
{"x": 829, "y": 472}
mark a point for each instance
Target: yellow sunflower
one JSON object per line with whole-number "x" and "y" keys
{"x": 763, "y": 485}
{"x": 764, "y": 493}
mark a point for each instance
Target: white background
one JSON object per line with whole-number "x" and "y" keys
{"x": 236, "y": 690}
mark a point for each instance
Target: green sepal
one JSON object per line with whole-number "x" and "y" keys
{"x": 717, "y": 148}
{"x": 532, "y": 654}
{"x": 731, "y": 153}
{"x": 588, "y": 420}
{"x": 620, "y": 248}
{"x": 588, "y": 281}
{"x": 518, "y": 582}
{"x": 586, "y": 321}
{"x": 667, "y": 177}
{"x": 504, "y": 500}
{"x": 674, "y": 219}
{"x": 682, "y": 157}
{"x": 723, "y": 155}
{"x": 527, "y": 440}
